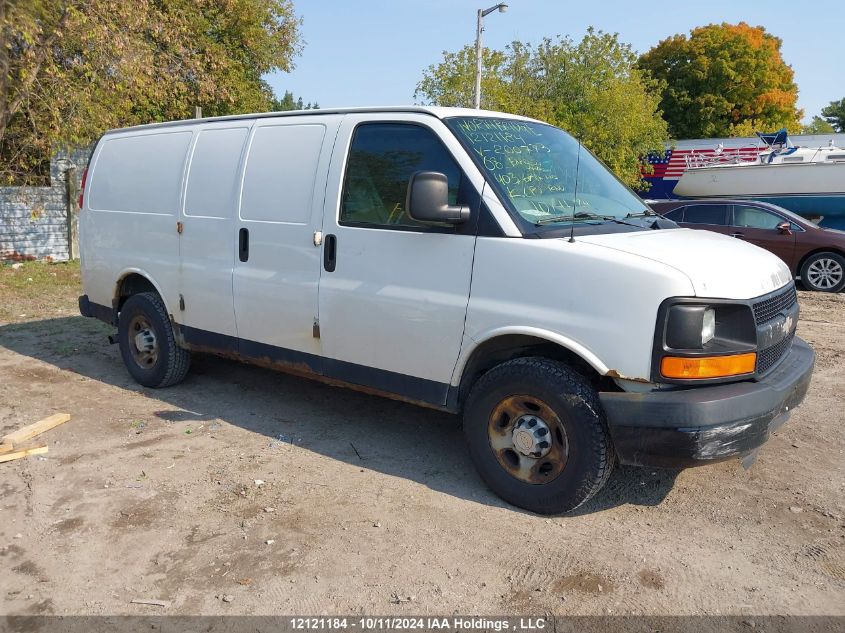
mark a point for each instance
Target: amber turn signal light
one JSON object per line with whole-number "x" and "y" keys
{"x": 708, "y": 366}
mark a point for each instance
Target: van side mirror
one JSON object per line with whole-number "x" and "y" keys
{"x": 785, "y": 228}
{"x": 428, "y": 199}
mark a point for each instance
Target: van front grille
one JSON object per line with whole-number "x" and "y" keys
{"x": 767, "y": 358}
{"x": 769, "y": 308}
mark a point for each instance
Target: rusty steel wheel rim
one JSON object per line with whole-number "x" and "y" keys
{"x": 528, "y": 439}
{"x": 143, "y": 342}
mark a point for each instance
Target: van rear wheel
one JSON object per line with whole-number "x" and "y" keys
{"x": 537, "y": 435}
{"x": 147, "y": 343}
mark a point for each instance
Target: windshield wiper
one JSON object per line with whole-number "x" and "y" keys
{"x": 657, "y": 221}
{"x": 645, "y": 214}
{"x": 586, "y": 215}
{"x": 581, "y": 215}
{"x": 632, "y": 217}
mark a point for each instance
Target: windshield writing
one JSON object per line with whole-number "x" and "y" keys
{"x": 538, "y": 169}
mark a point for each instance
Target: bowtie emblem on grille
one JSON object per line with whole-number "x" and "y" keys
{"x": 788, "y": 324}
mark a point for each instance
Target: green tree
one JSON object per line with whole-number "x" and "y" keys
{"x": 817, "y": 126}
{"x": 591, "y": 88}
{"x": 69, "y": 69}
{"x": 724, "y": 80}
{"x": 835, "y": 114}
{"x": 288, "y": 102}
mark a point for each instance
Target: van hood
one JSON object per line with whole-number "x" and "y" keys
{"x": 718, "y": 266}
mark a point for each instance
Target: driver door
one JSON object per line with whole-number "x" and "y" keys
{"x": 393, "y": 292}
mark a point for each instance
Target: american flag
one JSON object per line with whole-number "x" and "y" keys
{"x": 672, "y": 163}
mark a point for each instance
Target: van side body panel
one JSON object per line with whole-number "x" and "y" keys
{"x": 131, "y": 210}
{"x": 586, "y": 298}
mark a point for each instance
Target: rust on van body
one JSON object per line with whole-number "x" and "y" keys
{"x": 299, "y": 369}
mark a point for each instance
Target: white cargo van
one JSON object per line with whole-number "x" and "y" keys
{"x": 471, "y": 261}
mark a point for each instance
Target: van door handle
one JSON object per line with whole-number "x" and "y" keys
{"x": 738, "y": 235}
{"x": 329, "y": 253}
{"x": 243, "y": 244}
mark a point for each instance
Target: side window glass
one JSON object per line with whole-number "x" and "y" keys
{"x": 754, "y": 218}
{"x": 382, "y": 158}
{"x": 676, "y": 215}
{"x": 706, "y": 214}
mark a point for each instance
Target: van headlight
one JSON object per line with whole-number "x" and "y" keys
{"x": 708, "y": 326}
{"x": 690, "y": 326}
{"x": 704, "y": 341}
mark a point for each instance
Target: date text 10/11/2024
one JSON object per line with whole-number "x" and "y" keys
{"x": 455, "y": 623}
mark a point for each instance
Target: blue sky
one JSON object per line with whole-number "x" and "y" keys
{"x": 373, "y": 52}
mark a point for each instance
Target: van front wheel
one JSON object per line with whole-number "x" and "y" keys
{"x": 537, "y": 435}
{"x": 147, "y": 343}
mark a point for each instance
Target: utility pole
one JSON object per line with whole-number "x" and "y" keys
{"x": 72, "y": 213}
{"x": 482, "y": 13}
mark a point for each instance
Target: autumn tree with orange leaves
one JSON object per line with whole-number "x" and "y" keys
{"x": 724, "y": 80}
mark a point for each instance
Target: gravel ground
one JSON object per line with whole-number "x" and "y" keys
{"x": 286, "y": 496}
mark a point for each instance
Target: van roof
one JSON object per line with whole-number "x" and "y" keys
{"x": 439, "y": 112}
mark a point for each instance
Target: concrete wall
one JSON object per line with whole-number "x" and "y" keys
{"x": 34, "y": 220}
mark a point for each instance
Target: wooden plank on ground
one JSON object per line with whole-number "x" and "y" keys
{"x": 24, "y": 452}
{"x": 155, "y": 603}
{"x": 5, "y": 448}
{"x": 28, "y": 432}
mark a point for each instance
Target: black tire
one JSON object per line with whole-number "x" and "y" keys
{"x": 589, "y": 452}
{"x": 824, "y": 272}
{"x": 144, "y": 314}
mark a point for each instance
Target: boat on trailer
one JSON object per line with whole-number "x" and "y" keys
{"x": 806, "y": 180}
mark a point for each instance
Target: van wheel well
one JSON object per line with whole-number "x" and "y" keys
{"x": 130, "y": 285}
{"x": 504, "y": 348}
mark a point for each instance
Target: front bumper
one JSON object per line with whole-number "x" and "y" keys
{"x": 690, "y": 427}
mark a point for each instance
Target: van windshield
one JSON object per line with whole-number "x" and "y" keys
{"x": 534, "y": 167}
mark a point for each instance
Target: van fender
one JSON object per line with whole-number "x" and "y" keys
{"x": 124, "y": 273}
{"x": 552, "y": 337}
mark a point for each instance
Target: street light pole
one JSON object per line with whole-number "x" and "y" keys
{"x": 476, "y": 98}
{"x": 501, "y": 8}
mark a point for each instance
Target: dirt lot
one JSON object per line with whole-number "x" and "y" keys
{"x": 371, "y": 506}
